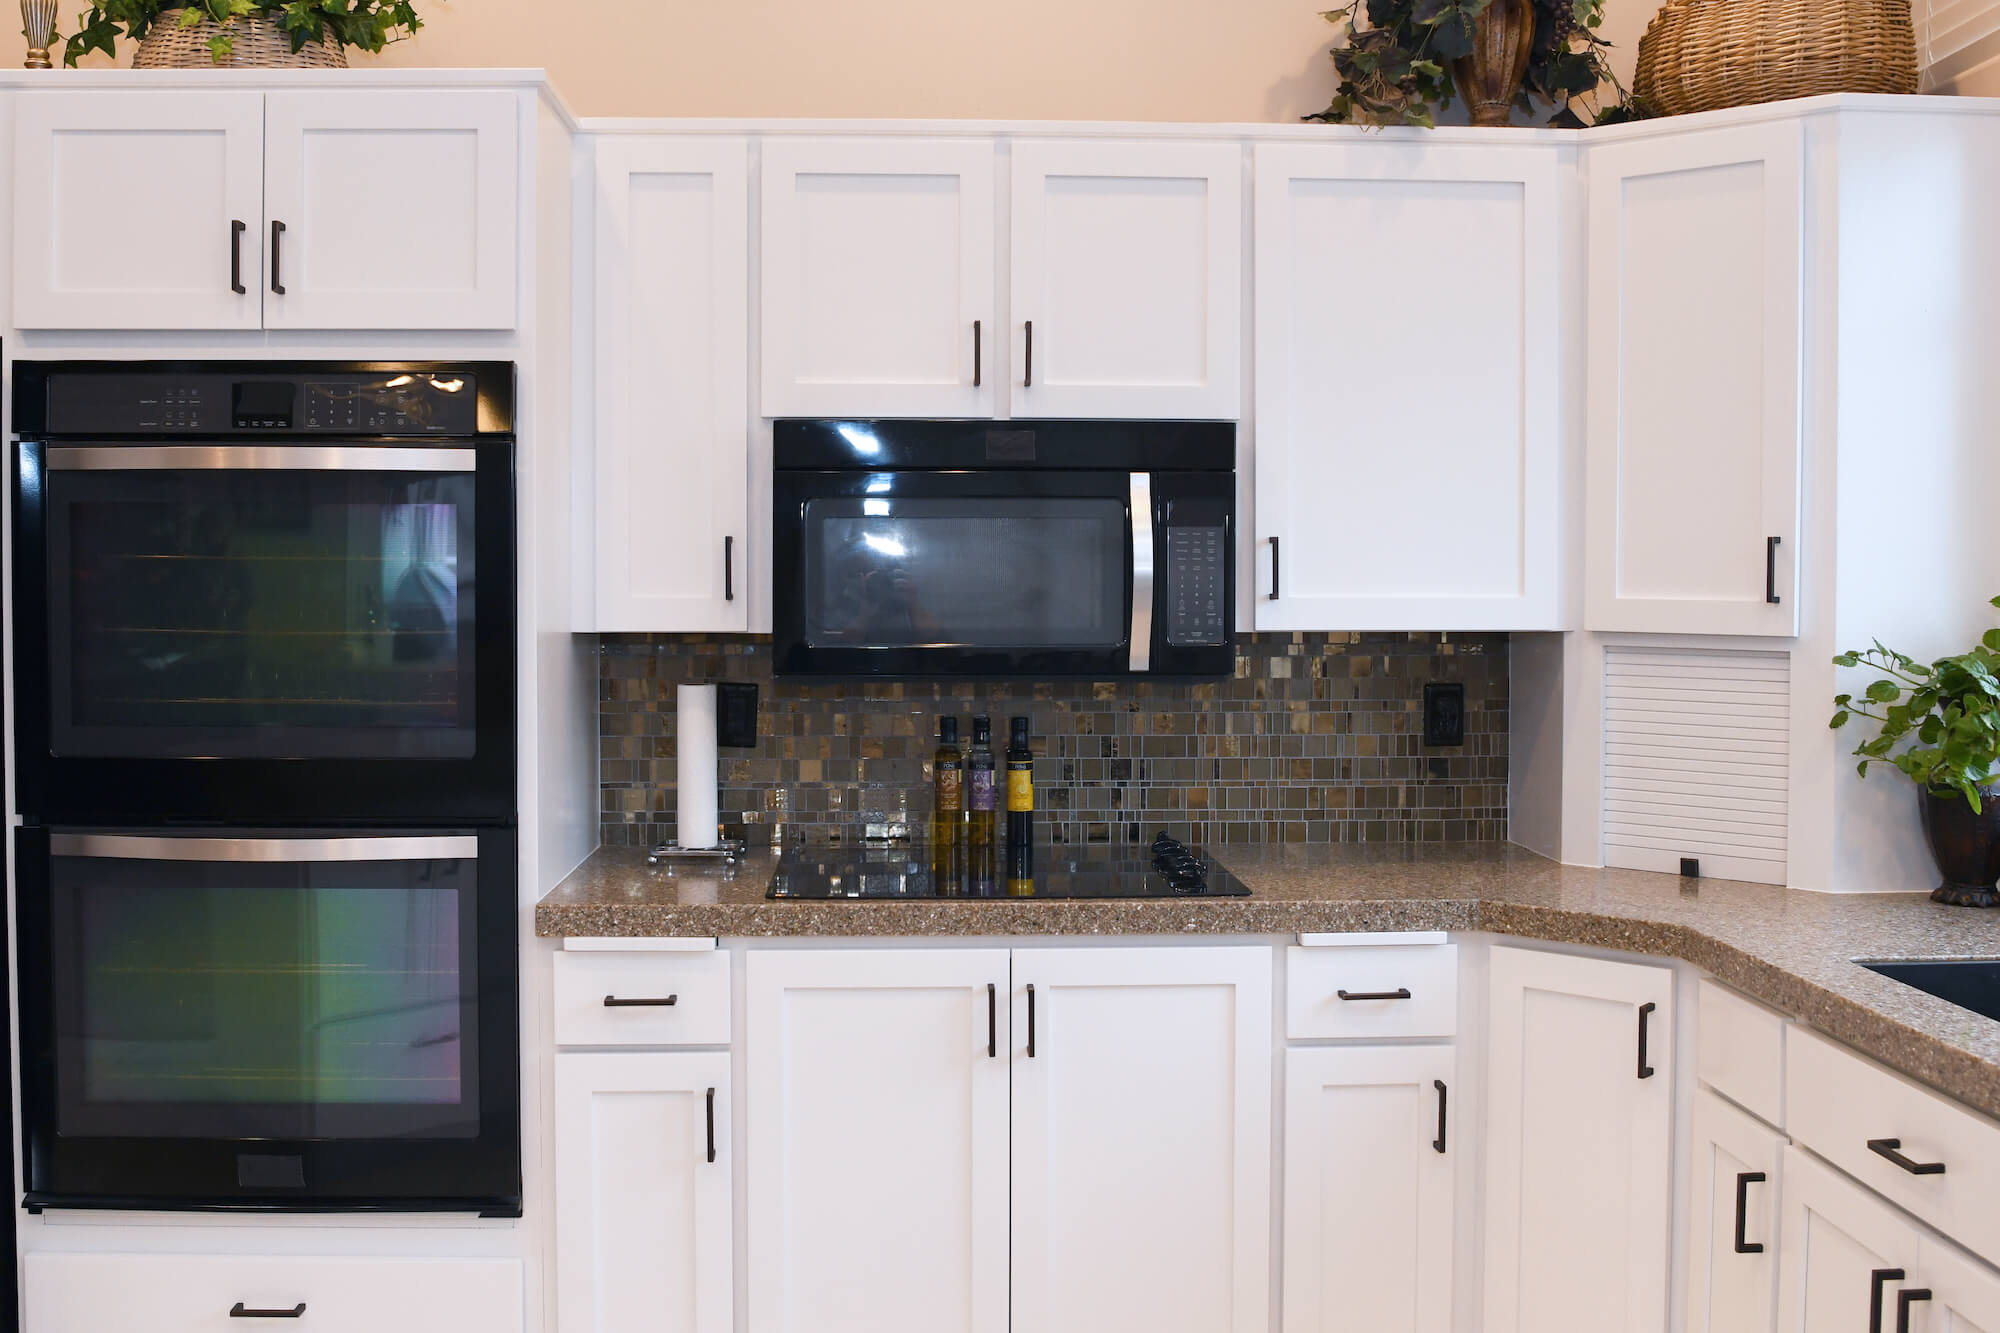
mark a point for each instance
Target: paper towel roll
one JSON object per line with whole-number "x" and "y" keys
{"x": 695, "y": 801}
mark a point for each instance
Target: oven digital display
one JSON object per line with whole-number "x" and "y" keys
{"x": 264, "y": 404}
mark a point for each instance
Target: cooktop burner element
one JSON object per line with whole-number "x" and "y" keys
{"x": 1166, "y": 869}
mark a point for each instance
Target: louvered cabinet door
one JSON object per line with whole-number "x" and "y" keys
{"x": 1697, "y": 761}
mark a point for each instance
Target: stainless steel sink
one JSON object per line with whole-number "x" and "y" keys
{"x": 1970, "y": 983}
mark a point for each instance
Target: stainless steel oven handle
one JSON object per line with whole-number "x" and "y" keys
{"x": 1142, "y": 571}
{"x": 117, "y": 847}
{"x": 256, "y": 458}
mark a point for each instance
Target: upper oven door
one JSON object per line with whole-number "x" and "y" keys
{"x": 983, "y": 573}
{"x": 250, "y": 631}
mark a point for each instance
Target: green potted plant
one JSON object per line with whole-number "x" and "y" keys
{"x": 1948, "y": 712}
{"x": 1412, "y": 57}
{"x": 241, "y": 32}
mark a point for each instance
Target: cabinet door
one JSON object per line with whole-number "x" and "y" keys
{"x": 1127, "y": 279}
{"x": 643, "y": 1228}
{"x": 1965, "y": 1294}
{"x": 877, "y": 1141}
{"x": 393, "y": 210}
{"x": 1694, "y": 426}
{"x": 187, "y": 166}
{"x": 1142, "y": 1140}
{"x": 1733, "y": 1220}
{"x": 1579, "y": 1139}
{"x": 1368, "y": 423}
{"x": 1845, "y": 1256}
{"x": 878, "y": 278}
{"x": 672, "y": 294}
{"x": 1369, "y": 1194}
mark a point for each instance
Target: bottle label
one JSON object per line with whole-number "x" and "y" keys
{"x": 1020, "y": 788}
{"x": 982, "y": 789}
{"x": 950, "y": 788}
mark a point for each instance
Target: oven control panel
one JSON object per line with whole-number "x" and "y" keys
{"x": 1197, "y": 594}
{"x": 381, "y": 403}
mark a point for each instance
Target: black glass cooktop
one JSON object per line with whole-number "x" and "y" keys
{"x": 863, "y": 874}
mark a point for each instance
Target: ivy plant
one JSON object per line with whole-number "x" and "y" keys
{"x": 1395, "y": 64}
{"x": 1949, "y": 710}
{"x": 367, "y": 24}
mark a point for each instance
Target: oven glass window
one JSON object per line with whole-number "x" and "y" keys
{"x": 992, "y": 573}
{"x": 285, "y": 1001}
{"x": 262, "y": 614}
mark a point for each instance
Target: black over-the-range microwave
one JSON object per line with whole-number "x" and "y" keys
{"x": 997, "y": 549}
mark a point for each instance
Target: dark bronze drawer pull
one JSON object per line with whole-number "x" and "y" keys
{"x": 1645, "y": 1012}
{"x": 1904, "y": 1299}
{"x": 1876, "y": 1280}
{"x": 711, "y": 1124}
{"x": 1438, "y": 1142}
{"x": 242, "y": 1311}
{"x": 1888, "y": 1148}
{"x": 1744, "y": 1180}
{"x": 613, "y": 1002}
{"x": 1400, "y": 993}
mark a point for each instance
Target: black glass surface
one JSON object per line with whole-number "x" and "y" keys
{"x": 1970, "y": 983}
{"x": 1093, "y": 870}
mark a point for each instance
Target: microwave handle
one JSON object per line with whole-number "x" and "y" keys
{"x": 1142, "y": 571}
{"x": 117, "y": 847}
{"x": 256, "y": 458}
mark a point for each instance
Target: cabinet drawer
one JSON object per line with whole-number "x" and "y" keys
{"x": 1836, "y": 1102}
{"x": 615, "y": 999}
{"x": 1740, "y": 1051}
{"x": 1317, "y": 976}
{"x": 89, "y": 1293}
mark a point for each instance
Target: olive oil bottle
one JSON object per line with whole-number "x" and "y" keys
{"x": 980, "y": 806}
{"x": 947, "y": 809}
{"x": 1020, "y": 810}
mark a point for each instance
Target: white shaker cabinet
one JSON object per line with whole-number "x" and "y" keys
{"x": 643, "y": 1167}
{"x": 1846, "y": 1254}
{"x": 189, "y": 165}
{"x": 877, "y": 1140}
{"x": 1141, "y": 1140}
{"x": 1579, "y": 1138}
{"x": 1965, "y": 1293}
{"x": 1733, "y": 1218}
{"x": 1369, "y": 1189}
{"x": 672, "y": 358}
{"x": 1127, "y": 279}
{"x": 394, "y": 210}
{"x": 1406, "y": 476}
{"x": 879, "y": 277}
{"x": 1696, "y": 249}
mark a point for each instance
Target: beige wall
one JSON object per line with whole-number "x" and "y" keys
{"x": 1199, "y": 60}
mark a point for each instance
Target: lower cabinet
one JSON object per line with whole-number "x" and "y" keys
{"x": 644, "y": 1232}
{"x": 1579, "y": 1138}
{"x": 1369, "y": 1189}
{"x": 1737, "y": 1165}
{"x": 883, "y": 1148}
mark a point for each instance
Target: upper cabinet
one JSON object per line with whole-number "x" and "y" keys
{"x": 284, "y": 210}
{"x": 1127, "y": 279}
{"x": 1694, "y": 382}
{"x": 878, "y": 277}
{"x": 1407, "y": 472}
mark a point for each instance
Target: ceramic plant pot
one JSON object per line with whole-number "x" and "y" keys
{"x": 1489, "y": 79}
{"x": 1966, "y": 846}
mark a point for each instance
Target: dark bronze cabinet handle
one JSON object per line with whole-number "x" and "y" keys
{"x": 711, "y": 1124}
{"x": 1744, "y": 1180}
{"x": 1771, "y": 569}
{"x": 992, "y": 1021}
{"x": 1031, "y": 1020}
{"x": 1438, "y": 1142}
{"x": 242, "y": 1311}
{"x": 236, "y": 230}
{"x": 1028, "y": 380}
{"x": 1888, "y": 1148}
{"x": 1645, "y": 1012}
{"x": 1876, "y": 1280}
{"x": 978, "y": 353}
{"x": 1274, "y": 569}
{"x": 728, "y": 569}
{"x": 1904, "y": 1300}
{"x": 613, "y": 1002}
{"x": 277, "y": 260}
{"x": 1400, "y": 993}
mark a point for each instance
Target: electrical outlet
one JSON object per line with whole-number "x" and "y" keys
{"x": 1444, "y": 714}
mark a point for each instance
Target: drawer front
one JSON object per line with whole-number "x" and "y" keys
{"x": 1836, "y": 1102}
{"x": 1740, "y": 1051}
{"x": 92, "y": 1293}
{"x": 1317, "y": 976}
{"x": 610, "y": 999}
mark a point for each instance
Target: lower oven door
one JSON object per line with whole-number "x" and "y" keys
{"x": 291, "y": 1021}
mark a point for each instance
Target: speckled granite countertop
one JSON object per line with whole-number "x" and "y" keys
{"x": 1792, "y": 950}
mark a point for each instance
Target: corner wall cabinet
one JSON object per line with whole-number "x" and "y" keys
{"x": 389, "y": 209}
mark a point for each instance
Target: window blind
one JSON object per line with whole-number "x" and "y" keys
{"x": 1954, "y": 38}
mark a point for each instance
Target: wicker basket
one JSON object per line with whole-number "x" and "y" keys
{"x": 1699, "y": 55}
{"x": 259, "y": 44}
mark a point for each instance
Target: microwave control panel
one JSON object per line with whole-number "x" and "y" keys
{"x": 1197, "y": 595}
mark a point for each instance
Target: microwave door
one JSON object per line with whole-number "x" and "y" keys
{"x": 1142, "y": 572}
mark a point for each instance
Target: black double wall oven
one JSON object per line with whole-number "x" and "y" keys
{"x": 264, "y": 662}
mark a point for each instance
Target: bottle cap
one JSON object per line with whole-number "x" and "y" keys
{"x": 982, "y": 728}
{"x": 1019, "y": 727}
{"x": 948, "y": 730}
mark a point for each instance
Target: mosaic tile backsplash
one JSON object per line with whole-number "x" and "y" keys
{"x": 1318, "y": 738}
